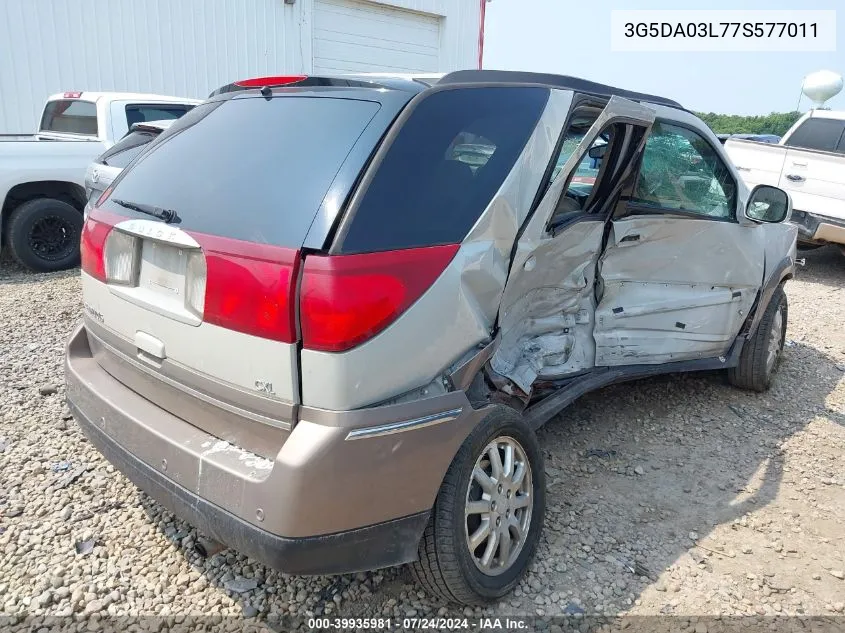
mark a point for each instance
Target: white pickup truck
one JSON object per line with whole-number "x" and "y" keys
{"x": 809, "y": 163}
{"x": 42, "y": 176}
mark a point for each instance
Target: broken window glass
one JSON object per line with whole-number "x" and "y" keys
{"x": 682, "y": 171}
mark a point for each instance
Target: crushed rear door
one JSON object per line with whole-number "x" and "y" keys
{"x": 547, "y": 313}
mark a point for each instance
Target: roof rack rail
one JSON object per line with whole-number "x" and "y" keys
{"x": 556, "y": 81}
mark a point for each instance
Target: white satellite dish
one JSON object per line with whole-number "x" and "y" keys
{"x": 821, "y": 86}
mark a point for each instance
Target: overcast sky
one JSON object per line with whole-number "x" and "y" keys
{"x": 573, "y": 38}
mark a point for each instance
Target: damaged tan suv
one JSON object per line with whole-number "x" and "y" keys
{"x": 322, "y": 324}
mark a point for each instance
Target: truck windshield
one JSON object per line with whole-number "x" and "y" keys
{"x": 70, "y": 116}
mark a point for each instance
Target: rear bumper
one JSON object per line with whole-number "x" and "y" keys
{"x": 348, "y": 491}
{"x": 818, "y": 229}
{"x": 382, "y": 545}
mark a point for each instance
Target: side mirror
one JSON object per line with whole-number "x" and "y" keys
{"x": 597, "y": 151}
{"x": 768, "y": 204}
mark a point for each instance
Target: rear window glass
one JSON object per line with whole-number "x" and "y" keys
{"x": 817, "y": 133}
{"x": 157, "y": 112}
{"x": 70, "y": 116}
{"x": 443, "y": 168}
{"x": 125, "y": 151}
{"x": 248, "y": 168}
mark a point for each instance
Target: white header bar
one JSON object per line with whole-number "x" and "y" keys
{"x": 722, "y": 31}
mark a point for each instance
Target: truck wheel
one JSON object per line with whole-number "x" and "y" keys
{"x": 761, "y": 354}
{"x": 488, "y": 516}
{"x": 44, "y": 234}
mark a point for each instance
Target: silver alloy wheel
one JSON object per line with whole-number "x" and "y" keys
{"x": 499, "y": 500}
{"x": 775, "y": 336}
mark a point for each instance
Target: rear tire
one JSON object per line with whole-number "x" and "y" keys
{"x": 761, "y": 354}
{"x": 511, "y": 508}
{"x": 43, "y": 234}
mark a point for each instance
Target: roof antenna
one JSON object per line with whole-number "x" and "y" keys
{"x": 266, "y": 92}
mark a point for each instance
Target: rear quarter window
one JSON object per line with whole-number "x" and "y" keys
{"x": 817, "y": 133}
{"x": 443, "y": 168}
{"x": 137, "y": 113}
{"x": 70, "y": 116}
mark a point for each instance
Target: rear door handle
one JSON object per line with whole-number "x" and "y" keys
{"x": 149, "y": 345}
{"x": 630, "y": 238}
{"x": 799, "y": 164}
{"x": 795, "y": 178}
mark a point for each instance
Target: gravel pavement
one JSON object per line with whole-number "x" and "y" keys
{"x": 675, "y": 495}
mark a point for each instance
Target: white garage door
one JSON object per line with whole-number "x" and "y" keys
{"x": 353, "y": 36}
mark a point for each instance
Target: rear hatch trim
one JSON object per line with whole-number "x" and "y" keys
{"x": 261, "y": 409}
{"x": 251, "y": 431}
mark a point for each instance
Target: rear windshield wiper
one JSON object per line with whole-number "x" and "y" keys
{"x": 168, "y": 215}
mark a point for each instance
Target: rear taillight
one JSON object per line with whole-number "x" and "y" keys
{"x": 196, "y": 282}
{"x": 248, "y": 287}
{"x": 121, "y": 258}
{"x": 95, "y": 231}
{"x": 347, "y": 299}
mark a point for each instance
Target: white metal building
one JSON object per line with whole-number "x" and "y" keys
{"x": 190, "y": 47}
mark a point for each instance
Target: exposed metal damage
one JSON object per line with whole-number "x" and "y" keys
{"x": 597, "y": 292}
{"x": 547, "y": 320}
{"x": 250, "y": 460}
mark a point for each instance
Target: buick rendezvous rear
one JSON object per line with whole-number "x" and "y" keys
{"x": 323, "y": 324}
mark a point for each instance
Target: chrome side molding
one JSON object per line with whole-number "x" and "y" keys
{"x": 404, "y": 425}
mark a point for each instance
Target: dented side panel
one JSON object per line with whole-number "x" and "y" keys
{"x": 460, "y": 307}
{"x": 548, "y": 307}
{"x": 780, "y": 241}
{"x": 547, "y": 319}
{"x": 675, "y": 288}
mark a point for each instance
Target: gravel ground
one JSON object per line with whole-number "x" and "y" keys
{"x": 676, "y": 495}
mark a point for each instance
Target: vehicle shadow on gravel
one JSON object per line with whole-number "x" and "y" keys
{"x": 262, "y": 592}
{"x": 640, "y": 474}
{"x": 635, "y": 472}
{"x": 824, "y": 265}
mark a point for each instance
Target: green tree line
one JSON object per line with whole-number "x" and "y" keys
{"x": 774, "y": 123}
